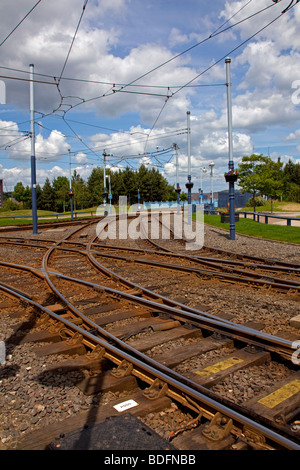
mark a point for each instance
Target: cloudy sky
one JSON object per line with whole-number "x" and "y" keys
{"x": 118, "y": 76}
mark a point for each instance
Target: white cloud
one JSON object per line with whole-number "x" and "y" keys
{"x": 81, "y": 157}
{"x": 294, "y": 135}
{"x": 11, "y": 176}
{"x": 18, "y": 145}
{"x": 104, "y": 50}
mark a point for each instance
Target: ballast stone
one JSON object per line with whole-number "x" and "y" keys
{"x": 295, "y": 322}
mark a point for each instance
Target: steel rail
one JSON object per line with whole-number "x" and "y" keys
{"x": 278, "y": 345}
{"x": 254, "y": 278}
{"x": 231, "y": 253}
{"x": 269, "y": 433}
{"x": 210, "y": 263}
{"x": 263, "y": 337}
{"x": 51, "y": 250}
{"x": 269, "y": 263}
{"x": 178, "y": 390}
{"x": 202, "y": 259}
{"x": 157, "y": 298}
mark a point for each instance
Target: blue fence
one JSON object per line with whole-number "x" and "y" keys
{"x": 57, "y": 216}
{"x": 257, "y": 216}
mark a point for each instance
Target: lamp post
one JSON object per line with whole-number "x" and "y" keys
{"x": 211, "y": 165}
{"x": 104, "y": 177}
{"x": 203, "y": 170}
{"x": 70, "y": 183}
{"x": 230, "y": 149}
{"x": 189, "y": 184}
{"x": 177, "y": 189}
{"x": 33, "y": 159}
{"x": 109, "y": 192}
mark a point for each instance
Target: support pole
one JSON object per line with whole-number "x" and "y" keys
{"x": 104, "y": 176}
{"x": 189, "y": 184}
{"x": 177, "y": 189}
{"x": 71, "y": 191}
{"x": 230, "y": 148}
{"x": 33, "y": 160}
{"x": 211, "y": 165}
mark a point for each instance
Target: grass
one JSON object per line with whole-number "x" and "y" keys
{"x": 244, "y": 226}
{"x": 257, "y": 229}
{"x": 23, "y": 212}
{"x": 278, "y": 206}
{"x": 27, "y": 214}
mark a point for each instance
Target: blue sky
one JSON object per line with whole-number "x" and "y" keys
{"x": 123, "y": 87}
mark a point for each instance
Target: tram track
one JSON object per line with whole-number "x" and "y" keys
{"x": 194, "y": 324}
{"x": 179, "y": 388}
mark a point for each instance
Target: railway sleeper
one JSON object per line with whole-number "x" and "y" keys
{"x": 215, "y": 434}
{"x": 106, "y": 382}
{"x": 281, "y": 404}
{"x": 73, "y": 345}
{"x": 216, "y": 372}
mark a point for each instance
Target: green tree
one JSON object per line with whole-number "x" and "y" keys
{"x": 250, "y": 174}
{"x": 117, "y": 186}
{"x": 95, "y": 187}
{"x": 19, "y": 192}
{"x": 272, "y": 183}
{"x": 292, "y": 172}
{"x": 47, "y": 199}
{"x": 183, "y": 196}
{"x": 39, "y": 193}
{"x": 61, "y": 186}
{"x": 80, "y": 191}
{"x": 291, "y": 178}
{"x": 27, "y": 198}
{"x": 22, "y": 194}
{"x": 130, "y": 185}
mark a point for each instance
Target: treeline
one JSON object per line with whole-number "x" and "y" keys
{"x": 262, "y": 176}
{"x": 149, "y": 184}
{"x": 291, "y": 177}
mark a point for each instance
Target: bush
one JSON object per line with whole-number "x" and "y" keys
{"x": 259, "y": 201}
{"x": 9, "y": 205}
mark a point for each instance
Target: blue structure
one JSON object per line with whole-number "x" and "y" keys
{"x": 240, "y": 199}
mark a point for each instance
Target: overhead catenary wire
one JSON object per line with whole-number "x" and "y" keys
{"x": 20, "y": 22}
{"x": 233, "y": 50}
{"x": 187, "y": 50}
{"x": 195, "y": 45}
{"x": 181, "y": 87}
{"x": 215, "y": 63}
{"x": 73, "y": 40}
{"x": 113, "y": 89}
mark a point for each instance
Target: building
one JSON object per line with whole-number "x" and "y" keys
{"x": 221, "y": 199}
{"x": 1, "y": 193}
{"x": 206, "y": 199}
{"x": 240, "y": 199}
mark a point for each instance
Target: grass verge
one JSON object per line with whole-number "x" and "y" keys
{"x": 257, "y": 229}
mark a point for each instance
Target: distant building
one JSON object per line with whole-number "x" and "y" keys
{"x": 221, "y": 199}
{"x": 1, "y": 193}
{"x": 206, "y": 198}
{"x": 240, "y": 199}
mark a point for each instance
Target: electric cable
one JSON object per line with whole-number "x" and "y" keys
{"x": 234, "y": 49}
{"x": 20, "y": 22}
{"x": 73, "y": 40}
